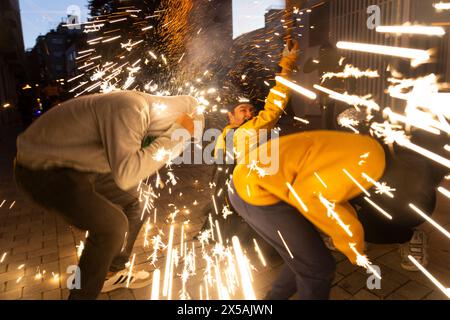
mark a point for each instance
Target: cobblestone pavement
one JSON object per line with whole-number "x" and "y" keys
{"x": 37, "y": 241}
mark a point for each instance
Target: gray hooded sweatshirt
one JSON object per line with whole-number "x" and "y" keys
{"x": 103, "y": 133}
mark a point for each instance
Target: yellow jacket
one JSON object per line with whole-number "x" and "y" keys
{"x": 276, "y": 102}
{"x": 313, "y": 164}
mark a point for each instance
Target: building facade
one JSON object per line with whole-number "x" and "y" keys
{"x": 11, "y": 53}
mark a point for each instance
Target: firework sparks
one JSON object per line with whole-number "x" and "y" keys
{"x": 416, "y": 56}
{"x": 373, "y": 204}
{"x": 381, "y": 188}
{"x": 155, "y": 284}
{"x": 356, "y": 182}
{"x": 297, "y": 197}
{"x": 352, "y": 100}
{"x": 362, "y": 261}
{"x": 3, "y": 257}
{"x": 426, "y": 217}
{"x": 130, "y": 272}
{"x": 303, "y": 91}
{"x": 351, "y": 71}
{"x": 246, "y": 283}
{"x": 444, "y": 191}
{"x": 259, "y": 252}
{"x": 442, "y": 6}
{"x": 445, "y": 290}
{"x": 416, "y": 30}
{"x": 330, "y": 206}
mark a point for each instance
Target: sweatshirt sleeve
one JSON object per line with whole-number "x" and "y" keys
{"x": 122, "y": 133}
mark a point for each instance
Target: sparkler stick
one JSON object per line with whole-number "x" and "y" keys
{"x": 246, "y": 284}
{"x": 155, "y": 284}
{"x": 378, "y": 208}
{"x": 168, "y": 261}
{"x": 426, "y": 217}
{"x": 416, "y": 56}
{"x": 445, "y": 290}
{"x": 356, "y": 182}
{"x": 303, "y": 91}
{"x": 297, "y": 197}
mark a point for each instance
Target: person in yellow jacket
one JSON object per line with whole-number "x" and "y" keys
{"x": 242, "y": 119}
{"x": 318, "y": 173}
{"x": 229, "y": 149}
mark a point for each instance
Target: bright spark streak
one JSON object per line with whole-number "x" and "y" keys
{"x": 351, "y": 71}
{"x": 3, "y": 202}
{"x": 3, "y": 257}
{"x": 320, "y": 179}
{"x": 444, "y": 191}
{"x": 260, "y": 254}
{"x": 422, "y": 30}
{"x": 416, "y": 56}
{"x": 426, "y": 217}
{"x": 278, "y": 93}
{"x": 442, "y": 6}
{"x": 362, "y": 261}
{"x": 155, "y": 284}
{"x": 416, "y": 122}
{"x": 297, "y": 197}
{"x": 445, "y": 290}
{"x": 12, "y": 205}
{"x": 378, "y": 208}
{"x": 303, "y": 91}
{"x": 301, "y": 120}
{"x": 130, "y": 272}
{"x": 168, "y": 261}
{"x": 407, "y": 144}
{"x": 334, "y": 215}
{"x": 352, "y": 100}
{"x": 381, "y": 188}
{"x": 249, "y": 293}
{"x": 356, "y": 182}
{"x": 215, "y": 205}
{"x": 285, "y": 244}
{"x": 219, "y": 234}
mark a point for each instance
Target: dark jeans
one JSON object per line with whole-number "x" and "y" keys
{"x": 311, "y": 271}
{"x": 90, "y": 202}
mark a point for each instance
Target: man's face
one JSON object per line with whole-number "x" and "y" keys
{"x": 241, "y": 114}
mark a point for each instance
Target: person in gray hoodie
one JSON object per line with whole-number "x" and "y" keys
{"x": 85, "y": 158}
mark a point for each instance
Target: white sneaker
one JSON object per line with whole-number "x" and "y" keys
{"x": 119, "y": 280}
{"x": 416, "y": 247}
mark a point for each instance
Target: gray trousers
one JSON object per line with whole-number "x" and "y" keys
{"x": 90, "y": 202}
{"x": 311, "y": 270}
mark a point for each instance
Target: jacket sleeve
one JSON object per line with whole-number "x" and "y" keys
{"x": 276, "y": 102}
{"x": 122, "y": 133}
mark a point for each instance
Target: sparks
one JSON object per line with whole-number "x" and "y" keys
{"x": 416, "y": 56}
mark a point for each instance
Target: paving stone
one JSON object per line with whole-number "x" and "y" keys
{"x": 52, "y": 295}
{"x": 353, "y": 283}
{"x": 337, "y": 293}
{"x": 364, "y": 295}
{"x": 414, "y": 291}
